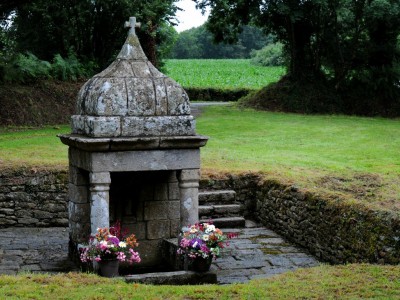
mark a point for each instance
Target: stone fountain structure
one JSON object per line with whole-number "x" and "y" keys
{"x": 134, "y": 155}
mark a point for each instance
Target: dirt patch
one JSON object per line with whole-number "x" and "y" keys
{"x": 362, "y": 186}
{"x": 40, "y": 103}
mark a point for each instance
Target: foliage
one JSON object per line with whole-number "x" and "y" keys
{"x": 198, "y": 43}
{"x": 202, "y": 240}
{"x": 348, "y": 43}
{"x": 221, "y": 73}
{"x": 351, "y": 281}
{"x": 69, "y": 68}
{"x": 105, "y": 245}
{"x": 269, "y": 56}
{"x": 27, "y": 68}
{"x": 91, "y": 29}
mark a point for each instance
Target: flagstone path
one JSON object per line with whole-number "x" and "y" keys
{"x": 256, "y": 253}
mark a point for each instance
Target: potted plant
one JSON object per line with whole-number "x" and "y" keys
{"x": 201, "y": 243}
{"x": 108, "y": 248}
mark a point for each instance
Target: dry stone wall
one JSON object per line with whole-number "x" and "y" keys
{"x": 33, "y": 199}
{"x": 330, "y": 229}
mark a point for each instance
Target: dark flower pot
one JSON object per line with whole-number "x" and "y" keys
{"x": 200, "y": 264}
{"x": 109, "y": 268}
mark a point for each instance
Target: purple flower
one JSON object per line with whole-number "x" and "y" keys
{"x": 196, "y": 243}
{"x": 114, "y": 240}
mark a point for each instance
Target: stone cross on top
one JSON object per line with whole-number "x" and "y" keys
{"x": 132, "y": 25}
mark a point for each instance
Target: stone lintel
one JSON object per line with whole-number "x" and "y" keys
{"x": 140, "y": 160}
{"x": 132, "y": 143}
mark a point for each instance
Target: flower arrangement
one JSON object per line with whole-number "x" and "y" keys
{"x": 203, "y": 240}
{"x": 108, "y": 244}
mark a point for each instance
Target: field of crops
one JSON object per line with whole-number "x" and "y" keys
{"x": 221, "y": 73}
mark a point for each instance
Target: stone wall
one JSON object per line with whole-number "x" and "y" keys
{"x": 33, "y": 199}
{"x": 332, "y": 230}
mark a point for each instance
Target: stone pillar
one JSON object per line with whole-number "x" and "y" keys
{"x": 189, "y": 196}
{"x": 99, "y": 200}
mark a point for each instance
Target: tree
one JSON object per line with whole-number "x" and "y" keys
{"x": 198, "y": 43}
{"x": 339, "y": 46}
{"x": 93, "y": 29}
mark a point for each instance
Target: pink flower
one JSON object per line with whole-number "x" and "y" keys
{"x": 135, "y": 258}
{"x": 204, "y": 248}
{"x": 121, "y": 256}
{"x": 97, "y": 258}
{"x": 185, "y": 243}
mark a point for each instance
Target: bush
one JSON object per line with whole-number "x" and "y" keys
{"x": 26, "y": 68}
{"x": 68, "y": 69}
{"x": 269, "y": 56}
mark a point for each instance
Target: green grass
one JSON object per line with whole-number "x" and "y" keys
{"x": 324, "y": 282}
{"x": 355, "y": 157}
{"x": 221, "y": 73}
{"x": 33, "y": 147}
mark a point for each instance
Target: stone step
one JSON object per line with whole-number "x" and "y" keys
{"x": 217, "y": 197}
{"x": 216, "y": 211}
{"x": 229, "y": 222}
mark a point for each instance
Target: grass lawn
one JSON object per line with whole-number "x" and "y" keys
{"x": 221, "y": 73}
{"x": 355, "y": 157}
{"x": 324, "y": 282}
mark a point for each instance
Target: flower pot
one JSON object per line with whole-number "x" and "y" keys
{"x": 109, "y": 268}
{"x": 200, "y": 264}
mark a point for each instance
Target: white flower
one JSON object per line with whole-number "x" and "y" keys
{"x": 122, "y": 244}
{"x": 210, "y": 228}
{"x": 205, "y": 237}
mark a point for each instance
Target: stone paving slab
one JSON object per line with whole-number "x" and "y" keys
{"x": 255, "y": 253}
{"x": 258, "y": 253}
{"x": 35, "y": 250}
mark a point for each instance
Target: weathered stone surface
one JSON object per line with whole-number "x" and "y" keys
{"x": 217, "y": 197}
{"x": 150, "y": 252}
{"x": 107, "y": 97}
{"x": 102, "y": 126}
{"x": 161, "y": 97}
{"x": 79, "y": 213}
{"x": 158, "y": 229}
{"x": 141, "y": 97}
{"x": 156, "y": 210}
{"x": 178, "y": 101}
{"x": 173, "y": 190}
{"x": 78, "y": 194}
{"x": 136, "y": 160}
{"x": 158, "y": 126}
{"x": 173, "y": 278}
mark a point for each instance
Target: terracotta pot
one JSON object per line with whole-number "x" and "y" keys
{"x": 109, "y": 268}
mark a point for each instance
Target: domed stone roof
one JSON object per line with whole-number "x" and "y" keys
{"x": 131, "y": 98}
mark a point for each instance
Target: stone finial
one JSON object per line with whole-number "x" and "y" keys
{"x": 132, "y": 24}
